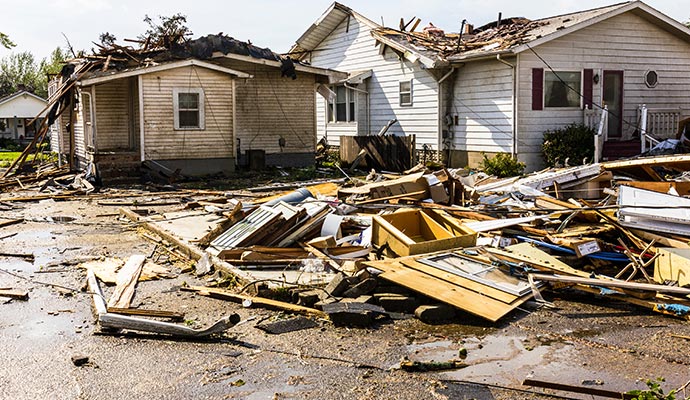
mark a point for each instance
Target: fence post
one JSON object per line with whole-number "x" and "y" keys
{"x": 643, "y": 128}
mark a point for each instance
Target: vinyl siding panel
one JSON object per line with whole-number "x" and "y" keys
{"x": 270, "y": 107}
{"x": 351, "y": 48}
{"x": 113, "y": 122}
{"x": 162, "y": 141}
{"x": 626, "y": 42}
{"x": 483, "y": 103}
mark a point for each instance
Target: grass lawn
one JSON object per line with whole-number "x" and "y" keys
{"x": 8, "y": 157}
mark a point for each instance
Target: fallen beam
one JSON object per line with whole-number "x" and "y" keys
{"x": 259, "y": 301}
{"x": 612, "y": 283}
{"x": 577, "y": 389}
{"x": 116, "y": 321}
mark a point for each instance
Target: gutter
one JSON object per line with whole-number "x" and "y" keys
{"x": 514, "y": 149}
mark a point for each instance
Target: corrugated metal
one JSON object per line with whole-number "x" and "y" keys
{"x": 626, "y": 42}
{"x": 162, "y": 141}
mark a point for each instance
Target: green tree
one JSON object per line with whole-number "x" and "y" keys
{"x": 5, "y": 41}
{"x": 169, "y": 30}
{"x": 22, "y": 69}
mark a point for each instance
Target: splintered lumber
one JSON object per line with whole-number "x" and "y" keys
{"x": 526, "y": 253}
{"x": 189, "y": 250}
{"x": 147, "y": 313}
{"x": 259, "y": 301}
{"x": 115, "y": 321}
{"x": 127, "y": 279}
{"x": 613, "y": 283}
{"x": 450, "y": 293}
{"x": 14, "y": 294}
{"x": 10, "y": 222}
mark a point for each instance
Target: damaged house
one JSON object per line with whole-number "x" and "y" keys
{"x": 201, "y": 107}
{"x": 498, "y": 88}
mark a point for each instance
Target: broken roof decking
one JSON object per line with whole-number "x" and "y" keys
{"x": 515, "y": 36}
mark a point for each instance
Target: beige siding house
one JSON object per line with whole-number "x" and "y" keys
{"x": 498, "y": 88}
{"x": 198, "y": 116}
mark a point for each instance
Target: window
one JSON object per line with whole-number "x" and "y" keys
{"x": 562, "y": 88}
{"x": 342, "y": 109}
{"x": 188, "y": 105}
{"x": 406, "y": 93}
{"x": 651, "y": 79}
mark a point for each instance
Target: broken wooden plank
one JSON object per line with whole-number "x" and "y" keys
{"x": 612, "y": 283}
{"x": 115, "y": 321}
{"x": 178, "y": 316}
{"x": 127, "y": 279}
{"x": 189, "y": 250}
{"x": 259, "y": 301}
{"x": 14, "y": 294}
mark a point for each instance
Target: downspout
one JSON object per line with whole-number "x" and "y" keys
{"x": 368, "y": 105}
{"x": 440, "y": 108}
{"x": 514, "y": 101}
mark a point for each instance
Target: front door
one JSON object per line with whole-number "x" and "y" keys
{"x": 613, "y": 98}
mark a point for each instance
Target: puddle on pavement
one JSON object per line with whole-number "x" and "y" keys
{"x": 508, "y": 360}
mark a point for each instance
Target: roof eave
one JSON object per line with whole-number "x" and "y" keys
{"x": 162, "y": 67}
{"x": 409, "y": 54}
{"x": 330, "y": 73}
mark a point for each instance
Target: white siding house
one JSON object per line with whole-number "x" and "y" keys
{"x": 509, "y": 81}
{"x": 17, "y": 110}
{"x": 342, "y": 40}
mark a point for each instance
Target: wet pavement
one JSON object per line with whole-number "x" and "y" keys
{"x": 583, "y": 341}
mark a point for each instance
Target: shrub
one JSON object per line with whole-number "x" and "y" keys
{"x": 574, "y": 143}
{"x": 502, "y": 165}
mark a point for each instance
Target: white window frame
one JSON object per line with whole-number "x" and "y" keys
{"x": 350, "y": 97}
{"x": 401, "y": 93}
{"x": 176, "y": 109}
{"x": 580, "y": 89}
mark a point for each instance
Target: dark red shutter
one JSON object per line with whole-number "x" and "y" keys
{"x": 587, "y": 87}
{"x": 537, "y": 88}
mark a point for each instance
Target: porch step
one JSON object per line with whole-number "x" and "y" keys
{"x": 120, "y": 167}
{"x": 614, "y": 150}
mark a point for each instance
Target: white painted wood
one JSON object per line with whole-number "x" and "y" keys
{"x": 140, "y": 97}
{"x": 112, "y": 115}
{"x": 352, "y": 48}
{"x": 127, "y": 278}
{"x": 483, "y": 104}
{"x": 625, "y": 42}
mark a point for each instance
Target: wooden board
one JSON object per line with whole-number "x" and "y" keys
{"x": 525, "y": 252}
{"x": 460, "y": 281}
{"x": 383, "y": 153}
{"x": 449, "y": 293}
{"x": 260, "y": 301}
{"x": 127, "y": 279}
{"x": 683, "y": 188}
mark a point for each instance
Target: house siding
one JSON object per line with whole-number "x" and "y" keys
{"x": 162, "y": 141}
{"x": 483, "y": 104}
{"x": 625, "y": 42}
{"x": 270, "y": 107}
{"x": 350, "y": 47}
{"x": 113, "y": 127}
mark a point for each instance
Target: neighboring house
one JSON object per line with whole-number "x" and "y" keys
{"x": 17, "y": 110}
{"x": 381, "y": 85}
{"x": 507, "y": 82}
{"x": 197, "y": 109}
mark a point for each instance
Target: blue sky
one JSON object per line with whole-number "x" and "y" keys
{"x": 37, "y": 25}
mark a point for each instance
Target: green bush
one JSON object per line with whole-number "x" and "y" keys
{"x": 502, "y": 165}
{"x": 570, "y": 145}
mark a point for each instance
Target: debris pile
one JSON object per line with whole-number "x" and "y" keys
{"x": 433, "y": 244}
